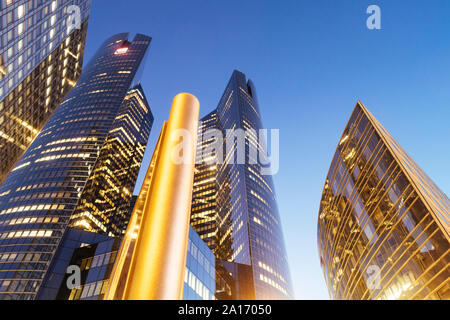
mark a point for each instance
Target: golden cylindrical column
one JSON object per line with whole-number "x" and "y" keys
{"x": 159, "y": 258}
{"x": 119, "y": 274}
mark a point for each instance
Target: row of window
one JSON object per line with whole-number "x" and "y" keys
{"x": 89, "y": 290}
{"x": 195, "y": 284}
{"x": 26, "y": 234}
{"x": 200, "y": 258}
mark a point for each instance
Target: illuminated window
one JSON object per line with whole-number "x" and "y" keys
{"x": 20, "y": 29}
{"x": 122, "y": 50}
{"x": 2, "y": 69}
{"x": 20, "y": 11}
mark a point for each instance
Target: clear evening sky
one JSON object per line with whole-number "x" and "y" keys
{"x": 310, "y": 60}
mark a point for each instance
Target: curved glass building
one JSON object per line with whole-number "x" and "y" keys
{"x": 383, "y": 227}
{"x": 40, "y": 194}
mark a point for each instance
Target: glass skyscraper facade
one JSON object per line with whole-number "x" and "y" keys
{"x": 40, "y": 194}
{"x": 41, "y": 55}
{"x": 199, "y": 278}
{"x": 234, "y": 208}
{"x": 204, "y": 216}
{"x": 104, "y": 205}
{"x": 383, "y": 227}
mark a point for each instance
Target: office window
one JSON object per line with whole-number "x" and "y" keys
{"x": 20, "y": 28}
{"x": 20, "y": 11}
{"x": 9, "y": 17}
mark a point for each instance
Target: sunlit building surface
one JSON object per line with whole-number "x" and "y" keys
{"x": 204, "y": 215}
{"x": 234, "y": 208}
{"x": 40, "y": 194}
{"x": 104, "y": 203}
{"x": 41, "y": 55}
{"x": 383, "y": 227}
{"x": 95, "y": 254}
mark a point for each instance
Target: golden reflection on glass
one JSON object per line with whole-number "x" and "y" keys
{"x": 383, "y": 230}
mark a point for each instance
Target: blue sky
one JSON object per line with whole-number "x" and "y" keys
{"x": 310, "y": 60}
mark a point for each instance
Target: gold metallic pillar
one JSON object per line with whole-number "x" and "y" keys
{"x": 118, "y": 278}
{"x": 157, "y": 267}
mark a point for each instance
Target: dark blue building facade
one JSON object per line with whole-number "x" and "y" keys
{"x": 84, "y": 249}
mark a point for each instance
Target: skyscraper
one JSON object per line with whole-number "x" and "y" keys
{"x": 41, "y": 55}
{"x": 104, "y": 203}
{"x": 383, "y": 227}
{"x": 234, "y": 207}
{"x": 39, "y": 196}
